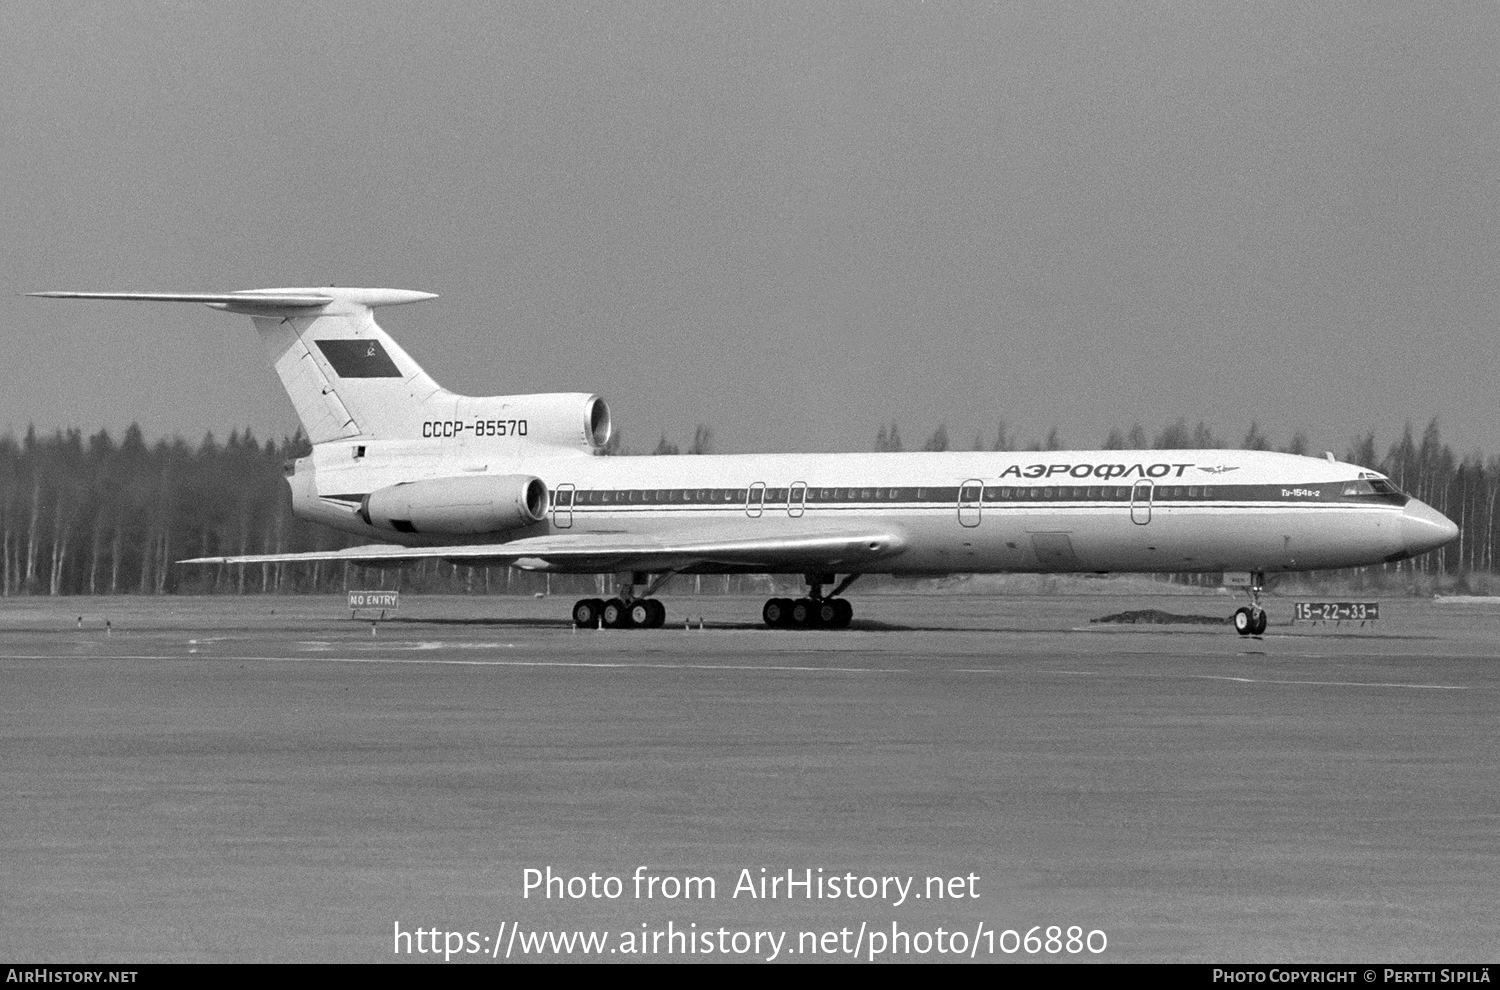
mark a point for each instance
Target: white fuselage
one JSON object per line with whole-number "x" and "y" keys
{"x": 1142, "y": 511}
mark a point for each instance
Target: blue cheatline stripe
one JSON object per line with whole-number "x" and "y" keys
{"x": 1012, "y": 508}
{"x": 990, "y": 496}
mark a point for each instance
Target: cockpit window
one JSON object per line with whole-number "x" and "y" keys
{"x": 1378, "y": 488}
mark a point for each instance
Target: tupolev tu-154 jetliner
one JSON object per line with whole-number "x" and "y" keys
{"x": 511, "y": 479}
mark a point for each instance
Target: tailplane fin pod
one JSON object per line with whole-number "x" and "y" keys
{"x": 346, "y": 377}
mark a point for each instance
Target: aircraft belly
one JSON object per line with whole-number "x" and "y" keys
{"x": 939, "y": 545}
{"x": 1176, "y": 539}
{"x": 1180, "y": 539}
{"x": 1003, "y": 541}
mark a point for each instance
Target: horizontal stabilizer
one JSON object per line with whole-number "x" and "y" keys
{"x": 223, "y": 300}
{"x": 255, "y": 301}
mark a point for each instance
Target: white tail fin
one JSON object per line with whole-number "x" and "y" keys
{"x": 346, "y": 377}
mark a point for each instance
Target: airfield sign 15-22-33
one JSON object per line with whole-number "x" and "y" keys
{"x": 1336, "y": 611}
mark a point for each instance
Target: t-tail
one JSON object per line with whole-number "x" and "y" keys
{"x": 345, "y": 376}
{"x": 348, "y": 380}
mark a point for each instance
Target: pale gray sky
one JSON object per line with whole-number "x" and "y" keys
{"x": 793, "y": 222}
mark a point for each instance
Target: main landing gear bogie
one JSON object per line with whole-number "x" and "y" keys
{"x": 616, "y": 613}
{"x": 631, "y": 611}
{"x": 816, "y": 611}
{"x": 626, "y": 610}
{"x": 808, "y": 613}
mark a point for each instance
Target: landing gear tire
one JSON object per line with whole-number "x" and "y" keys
{"x": 616, "y": 615}
{"x": 807, "y": 613}
{"x": 647, "y": 613}
{"x": 1244, "y": 622}
{"x": 586, "y": 613}
{"x": 1252, "y": 619}
{"x": 1250, "y": 622}
{"x": 777, "y": 612}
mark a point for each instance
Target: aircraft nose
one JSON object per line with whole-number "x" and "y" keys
{"x": 1424, "y": 528}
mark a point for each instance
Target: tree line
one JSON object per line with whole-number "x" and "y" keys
{"x": 99, "y": 516}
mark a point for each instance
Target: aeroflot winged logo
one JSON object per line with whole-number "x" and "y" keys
{"x": 1105, "y": 471}
{"x": 1219, "y": 469}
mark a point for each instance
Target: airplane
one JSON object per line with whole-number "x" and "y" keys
{"x": 514, "y": 480}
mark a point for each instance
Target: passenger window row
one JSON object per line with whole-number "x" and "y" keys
{"x": 812, "y": 496}
{"x": 1091, "y": 493}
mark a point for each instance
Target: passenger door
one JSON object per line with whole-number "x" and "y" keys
{"x": 796, "y": 499}
{"x": 1140, "y": 502}
{"x": 562, "y": 507}
{"x": 755, "y": 500}
{"x": 970, "y": 499}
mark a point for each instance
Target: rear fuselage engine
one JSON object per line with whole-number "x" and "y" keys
{"x": 458, "y": 506}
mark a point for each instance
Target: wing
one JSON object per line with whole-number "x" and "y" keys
{"x": 833, "y": 550}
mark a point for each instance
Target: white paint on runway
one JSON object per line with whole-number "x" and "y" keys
{"x": 1370, "y": 684}
{"x": 491, "y": 663}
{"x": 1234, "y": 679}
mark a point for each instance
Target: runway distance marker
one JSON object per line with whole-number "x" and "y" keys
{"x": 1336, "y": 612}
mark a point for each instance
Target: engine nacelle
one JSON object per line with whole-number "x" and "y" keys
{"x": 458, "y": 506}
{"x": 572, "y": 420}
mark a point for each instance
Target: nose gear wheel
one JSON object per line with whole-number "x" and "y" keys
{"x": 1251, "y": 620}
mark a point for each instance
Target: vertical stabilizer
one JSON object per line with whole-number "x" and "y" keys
{"x": 345, "y": 376}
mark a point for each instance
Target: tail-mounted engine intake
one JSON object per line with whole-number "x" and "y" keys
{"x": 458, "y": 506}
{"x": 558, "y": 419}
{"x": 567, "y": 420}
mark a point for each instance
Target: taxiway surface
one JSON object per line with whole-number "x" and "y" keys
{"x": 264, "y": 780}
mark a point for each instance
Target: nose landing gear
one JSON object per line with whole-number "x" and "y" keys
{"x": 1251, "y": 620}
{"x": 1250, "y": 623}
